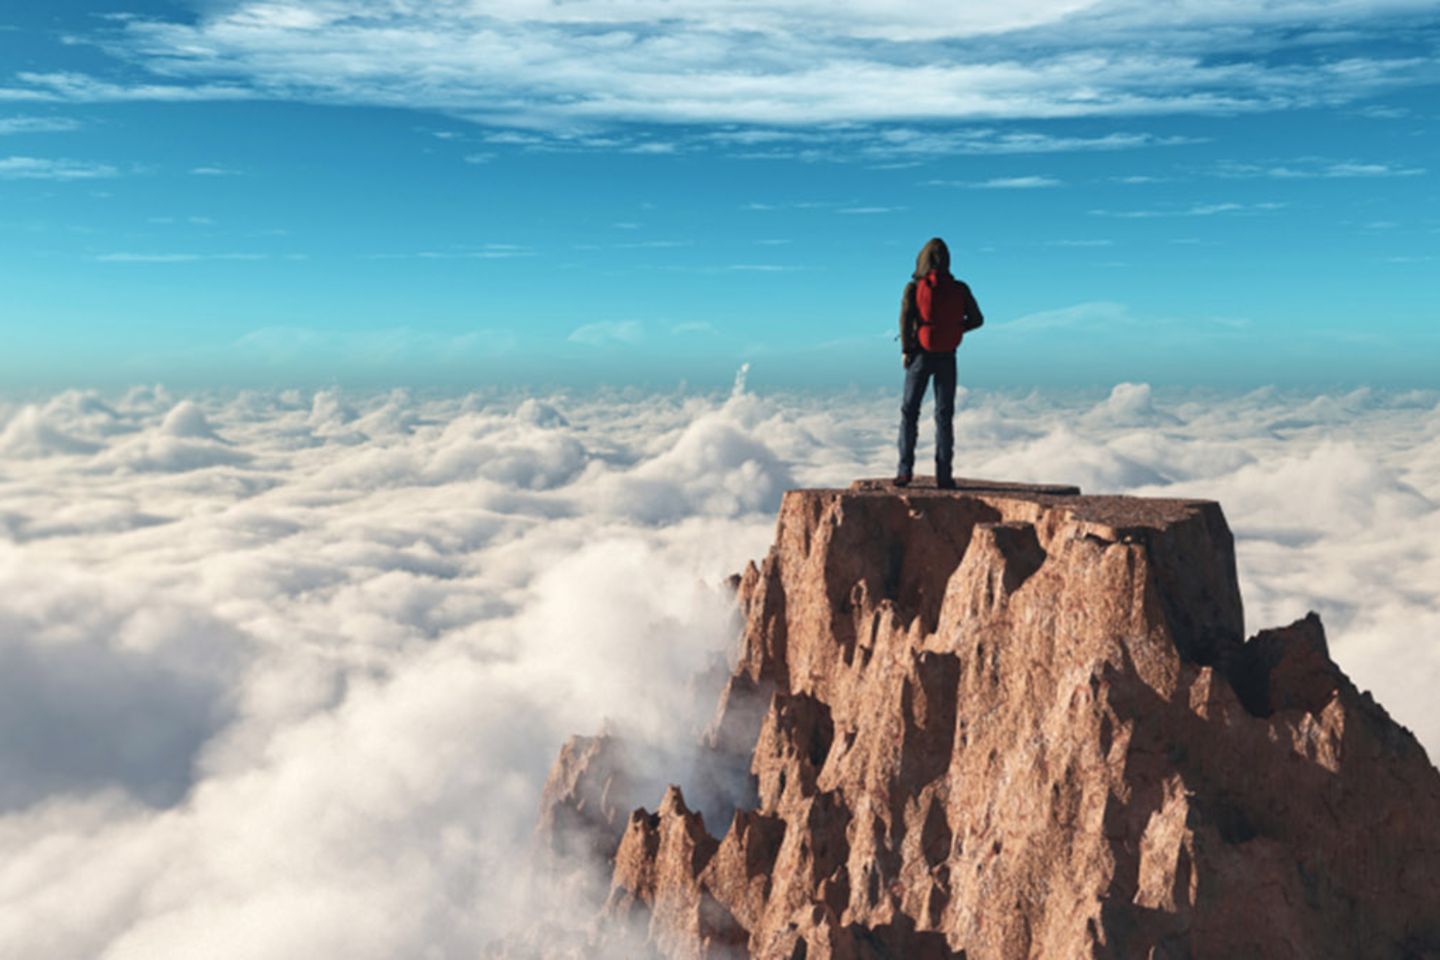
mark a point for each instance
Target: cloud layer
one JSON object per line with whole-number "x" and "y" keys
{"x": 536, "y": 63}
{"x": 281, "y": 673}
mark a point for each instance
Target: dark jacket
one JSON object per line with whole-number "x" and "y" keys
{"x": 934, "y": 256}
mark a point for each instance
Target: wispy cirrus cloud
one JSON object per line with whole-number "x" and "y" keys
{"x": 486, "y": 251}
{"x": 987, "y": 141}
{"x": 692, "y": 328}
{"x": 1000, "y": 183}
{"x": 771, "y": 206}
{"x": 132, "y": 257}
{"x": 608, "y": 333}
{"x": 196, "y": 221}
{"x": 281, "y": 346}
{"x": 1316, "y": 168}
{"x": 73, "y": 87}
{"x": 51, "y": 168}
{"x": 1100, "y": 313}
{"x": 1192, "y": 210}
{"x": 20, "y": 125}
{"x": 1139, "y": 178}
{"x": 902, "y": 145}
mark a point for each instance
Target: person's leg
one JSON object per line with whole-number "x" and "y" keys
{"x": 917, "y": 376}
{"x": 944, "y": 367}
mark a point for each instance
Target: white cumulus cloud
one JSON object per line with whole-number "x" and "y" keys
{"x": 282, "y": 673}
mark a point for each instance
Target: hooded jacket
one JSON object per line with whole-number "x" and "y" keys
{"x": 934, "y": 256}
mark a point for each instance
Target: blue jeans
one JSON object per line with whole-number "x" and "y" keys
{"x": 921, "y": 368}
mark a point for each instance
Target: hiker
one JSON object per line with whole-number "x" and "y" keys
{"x": 936, "y": 311}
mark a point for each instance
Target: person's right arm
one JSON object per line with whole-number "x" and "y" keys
{"x": 974, "y": 319}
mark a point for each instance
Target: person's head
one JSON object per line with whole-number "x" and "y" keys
{"x": 934, "y": 256}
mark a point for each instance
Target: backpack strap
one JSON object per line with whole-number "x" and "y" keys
{"x": 930, "y": 282}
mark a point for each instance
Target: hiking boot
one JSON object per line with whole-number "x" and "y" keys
{"x": 945, "y": 483}
{"x": 903, "y": 479}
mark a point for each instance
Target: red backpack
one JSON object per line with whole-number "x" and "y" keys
{"x": 941, "y": 301}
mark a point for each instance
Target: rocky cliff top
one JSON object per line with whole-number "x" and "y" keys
{"x": 1012, "y": 721}
{"x": 1117, "y": 512}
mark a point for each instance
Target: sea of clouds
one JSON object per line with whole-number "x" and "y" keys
{"x": 282, "y": 674}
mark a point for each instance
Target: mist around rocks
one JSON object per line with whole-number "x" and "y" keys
{"x": 283, "y": 673}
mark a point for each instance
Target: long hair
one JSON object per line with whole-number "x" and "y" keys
{"x": 934, "y": 256}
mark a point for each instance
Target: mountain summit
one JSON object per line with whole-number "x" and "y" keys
{"x": 1009, "y": 721}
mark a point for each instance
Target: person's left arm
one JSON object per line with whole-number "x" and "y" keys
{"x": 909, "y": 319}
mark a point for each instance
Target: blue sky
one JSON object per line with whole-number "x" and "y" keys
{"x": 634, "y": 191}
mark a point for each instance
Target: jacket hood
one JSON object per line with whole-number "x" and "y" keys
{"x": 933, "y": 256}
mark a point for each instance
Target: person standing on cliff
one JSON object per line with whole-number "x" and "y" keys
{"x": 936, "y": 311}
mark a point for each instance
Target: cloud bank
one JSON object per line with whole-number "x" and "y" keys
{"x": 547, "y": 65}
{"x": 281, "y": 674}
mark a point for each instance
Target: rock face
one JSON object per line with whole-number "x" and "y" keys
{"x": 580, "y": 812}
{"x": 1008, "y": 722}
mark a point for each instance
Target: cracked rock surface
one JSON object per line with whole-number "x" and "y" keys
{"x": 1007, "y": 722}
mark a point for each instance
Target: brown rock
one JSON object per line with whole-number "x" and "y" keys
{"x": 1005, "y": 723}
{"x": 657, "y": 871}
{"x": 586, "y": 798}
